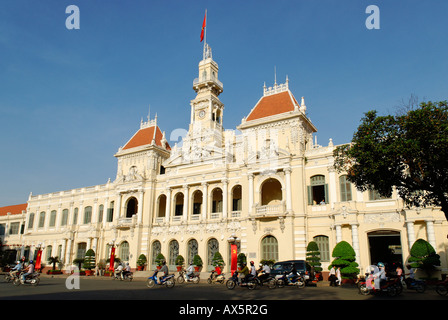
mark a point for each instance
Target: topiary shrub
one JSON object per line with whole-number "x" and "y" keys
{"x": 313, "y": 256}
{"x": 424, "y": 257}
{"x": 345, "y": 259}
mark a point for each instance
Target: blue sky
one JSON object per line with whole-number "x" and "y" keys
{"x": 70, "y": 98}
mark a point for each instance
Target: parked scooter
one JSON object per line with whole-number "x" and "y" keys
{"x": 234, "y": 281}
{"x": 168, "y": 281}
{"x": 367, "y": 286}
{"x": 213, "y": 278}
{"x": 296, "y": 280}
{"x": 184, "y": 278}
{"x": 32, "y": 279}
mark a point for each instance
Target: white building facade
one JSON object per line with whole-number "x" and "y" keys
{"x": 266, "y": 185}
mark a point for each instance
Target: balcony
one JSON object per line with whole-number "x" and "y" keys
{"x": 270, "y": 210}
{"x": 124, "y": 223}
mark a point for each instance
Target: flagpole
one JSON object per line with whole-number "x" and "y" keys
{"x": 205, "y": 34}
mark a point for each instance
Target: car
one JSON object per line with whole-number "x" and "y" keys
{"x": 280, "y": 267}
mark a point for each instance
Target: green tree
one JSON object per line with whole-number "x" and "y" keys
{"x": 407, "y": 152}
{"x": 345, "y": 258}
{"x": 424, "y": 257}
{"x": 313, "y": 256}
{"x": 53, "y": 261}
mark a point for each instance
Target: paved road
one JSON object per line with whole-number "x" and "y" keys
{"x": 51, "y": 288}
{"x": 132, "y": 298}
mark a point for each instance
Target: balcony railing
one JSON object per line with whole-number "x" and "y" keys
{"x": 266, "y": 210}
{"x": 207, "y": 79}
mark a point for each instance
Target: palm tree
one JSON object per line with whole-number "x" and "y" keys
{"x": 53, "y": 261}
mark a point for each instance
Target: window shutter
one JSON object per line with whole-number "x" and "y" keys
{"x": 327, "y": 195}
{"x": 310, "y": 195}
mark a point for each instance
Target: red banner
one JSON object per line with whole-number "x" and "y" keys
{"x": 112, "y": 259}
{"x": 38, "y": 263}
{"x": 233, "y": 261}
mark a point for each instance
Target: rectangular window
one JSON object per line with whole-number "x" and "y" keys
{"x": 64, "y": 218}
{"x": 345, "y": 188}
{"x": 41, "y": 219}
{"x": 53, "y": 218}
{"x": 14, "y": 228}
{"x": 87, "y": 215}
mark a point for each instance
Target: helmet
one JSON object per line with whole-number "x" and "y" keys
{"x": 380, "y": 264}
{"x": 31, "y": 261}
{"x": 260, "y": 264}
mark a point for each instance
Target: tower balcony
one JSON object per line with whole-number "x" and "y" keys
{"x": 207, "y": 81}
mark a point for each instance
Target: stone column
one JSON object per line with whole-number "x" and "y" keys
{"x": 430, "y": 233}
{"x": 251, "y": 192}
{"x": 140, "y": 207}
{"x": 168, "y": 205}
{"x": 204, "y": 200}
{"x": 355, "y": 241}
{"x": 338, "y": 233}
{"x": 411, "y": 233}
{"x": 186, "y": 203}
{"x": 288, "y": 190}
{"x": 225, "y": 184}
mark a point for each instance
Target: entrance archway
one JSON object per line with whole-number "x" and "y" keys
{"x": 385, "y": 246}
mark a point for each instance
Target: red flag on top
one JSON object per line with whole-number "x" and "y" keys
{"x": 204, "y": 23}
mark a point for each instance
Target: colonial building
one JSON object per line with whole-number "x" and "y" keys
{"x": 266, "y": 186}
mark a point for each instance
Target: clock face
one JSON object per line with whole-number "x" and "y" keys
{"x": 202, "y": 114}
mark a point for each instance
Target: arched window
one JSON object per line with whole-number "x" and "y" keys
{"x": 345, "y": 189}
{"x": 216, "y": 200}
{"x": 64, "y": 218}
{"x": 236, "y": 198}
{"x": 52, "y": 218}
{"x": 174, "y": 252}
{"x": 269, "y": 248}
{"x": 179, "y": 204}
{"x": 197, "y": 202}
{"x": 31, "y": 221}
{"x": 156, "y": 249}
{"x": 161, "y": 206}
{"x": 81, "y": 250}
{"x": 41, "y": 219}
{"x": 132, "y": 207}
{"x": 192, "y": 249}
{"x": 124, "y": 251}
{"x": 324, "y": 247}
{"x": 212, "y": 248}
{"x": 271, "y": 192}
{"x": 317, "y": 190}
{"x": 87, "y": 215}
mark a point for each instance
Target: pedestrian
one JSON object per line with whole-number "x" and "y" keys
{"x": 338, "y": 276}
{"x": 332, "y": 277}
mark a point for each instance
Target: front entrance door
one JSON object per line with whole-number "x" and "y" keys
{"x": 385, "y": 246}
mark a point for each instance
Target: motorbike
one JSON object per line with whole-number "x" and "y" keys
{"x": 9, "y": 278}
{"x": 183, "y": 277}
{"x": 213, "y": 278}
{"x": 390, "y": 287}
{"x": 297, "y": 280}
{"x": 270, "y": 280}
{"x": 413, "y": 284}
{"x": 126, "y": 276}
{"x": 32, "y": 279}
{"x": 442, "y": 287}
{"x": 167, "y": 281}
{"x": 234, "y": 281}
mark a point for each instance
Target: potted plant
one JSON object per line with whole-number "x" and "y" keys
{"x": 53, "y": 261}
{"x": 241, "y": 259}
{"x": 217, "y": 261}
{"x": 89, "y": 262}
{"x": 180, "y": 262}
{"x": 159, "y": 260}
{"x": 141, "y": 262}
{"x": 79, "y": 262}
{"x": 197, "y": 261}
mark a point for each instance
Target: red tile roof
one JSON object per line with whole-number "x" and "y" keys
{"x": 144, "y": 137}
{"x": 273, "y": 104}
{"x": 15, "y": 209}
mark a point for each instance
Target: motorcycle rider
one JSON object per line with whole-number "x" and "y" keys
{"x": 16, "y": 269}
{"x": 292, "y": 272}
{"x": 190, "y": 271}
{"x": 126, "y": 270}
{"x": 27, "y": 271}
{"x": 244, "y": 273}
{"x": 119, "y": 271}
{"x": 263, "y": 271}
{"x": 380, "y": 276}
{"x": 164, "y": 269}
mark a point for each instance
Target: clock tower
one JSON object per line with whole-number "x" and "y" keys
{"x": 206, "y": 124}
